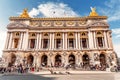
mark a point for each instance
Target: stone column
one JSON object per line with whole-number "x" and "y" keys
{"x": 7, "y": 41}
{"x": 63, "y": 41}
{"x": 105, "y": 40}
{"x": 40, "y": 41}
{"x": 25, "y": 45}
{"x": 21, "y": 41}
{"x": 53, "y": 40}
{"x": 76, "y": 40}
{"x": 37, "y": 43}
{"x": 94, "y": 36}
{"x": 79, "y": 47}
{"x": 50, "y": 42}
{"x": 109, "y": 39}
{"x": 10, "y": 41}
{"x": 90, "y": 40}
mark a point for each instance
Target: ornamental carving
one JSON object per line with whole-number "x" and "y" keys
{"x": 58, "y": 23}
{"x": 36, "y": 24}
{"x": 98, "y": 24}
{"x": 82, "y": 22}
{"x": 46, "y": 23}
{"x": 70, "y": 23}
{"x": 16, "y": 25}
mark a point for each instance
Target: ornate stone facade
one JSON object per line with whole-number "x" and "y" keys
{"x": 59, "y": 41}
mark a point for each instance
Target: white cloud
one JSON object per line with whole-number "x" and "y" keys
{"x": 111, "y": 9}
{"x": 117, "y": 49}
{"x": 52, "y": 9}
{"x": 2, "y": 40}
{"x": 116, "y": 32}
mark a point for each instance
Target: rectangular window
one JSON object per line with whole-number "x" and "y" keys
{"x": 100, "y": 42}
{"x": 16, "y": 41}
{"x": 84, "y": 42}
{"x": 71, "y": 43}
{"x": 58, "y": 43}
{"x": 45, "y": 43}
{"x": 32, "y": 43}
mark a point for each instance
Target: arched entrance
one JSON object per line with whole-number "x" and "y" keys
{"x": 85, "y": 59}
{"x": 30, "y": 59}
{"x": 102, "y": 60}
{"x": 71, "y": 60}
{"x": 12, "y": 60}
{"x": 44, "y": 60}
{"x": 58, "y": 61}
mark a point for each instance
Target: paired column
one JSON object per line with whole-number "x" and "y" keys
{"x": 63, "y": 44}
{"x": 10, "y": 42}
{"x": 7, "y": 40}
{"x": 76, "y": 40}
{"x": 79, "y": 47}
{"x": 105, "y": 40}
{"x": 26, "y": 37}
{"x": 53, "y": 41}
{"x": 90, "y": 39}
{"x": 21, "y": 40}
{"x": 37, "y": 43}
{"x": 50, "y": 42}
{"x": 40, "y": 41}
{"x": 94, "y": 39}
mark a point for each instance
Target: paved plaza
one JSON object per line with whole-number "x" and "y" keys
{"x": 72, "y": 76}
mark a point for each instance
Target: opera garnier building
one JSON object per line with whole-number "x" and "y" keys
{"x": 59, "y": 41}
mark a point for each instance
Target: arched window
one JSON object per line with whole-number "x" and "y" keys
{"x": 44, "y": 60}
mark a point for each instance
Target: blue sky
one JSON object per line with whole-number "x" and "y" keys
{"x": 63, "y": 8}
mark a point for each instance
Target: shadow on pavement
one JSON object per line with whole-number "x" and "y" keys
{"x": 24, "y": 77}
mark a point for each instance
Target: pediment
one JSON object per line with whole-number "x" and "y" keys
{"x": 98, "y": 24}
{"x": 17, "y": 25}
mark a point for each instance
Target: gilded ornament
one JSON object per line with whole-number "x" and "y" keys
{"x": 58, "y": 23}
{"x": 25, "y": 14}
{"x": 93, "y": 12}
{"x": 70, "y": 23}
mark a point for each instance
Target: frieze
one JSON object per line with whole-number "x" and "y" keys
{"x": 46, "y": 24}
{"x": 70, "y": 23}
{"x": 17, "y": 25}
{"x": 99, "y": 23}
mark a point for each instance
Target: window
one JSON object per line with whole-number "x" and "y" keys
{"x": 58, "y": 43}
{"x": 58, "y": 34}
{"x": 84, "y": 42}
{"x": 71, "y": 43}
{"x": 17, "y": 34}
{"x": 100, "y": 42}
{"x": 16, "y": 43}
{"x": 45, "y": 43}
{"x": 33, "y": 34}
{"x": 70, "y": 34}
{"x": 45, "y": 34}
{"x": 32, "y": 43}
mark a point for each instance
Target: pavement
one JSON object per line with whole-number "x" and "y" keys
{"x": 70, "y": 72}
{"x": 82, "y": 75}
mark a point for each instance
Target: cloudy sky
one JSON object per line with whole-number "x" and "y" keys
{"x": 61, "y": 8}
